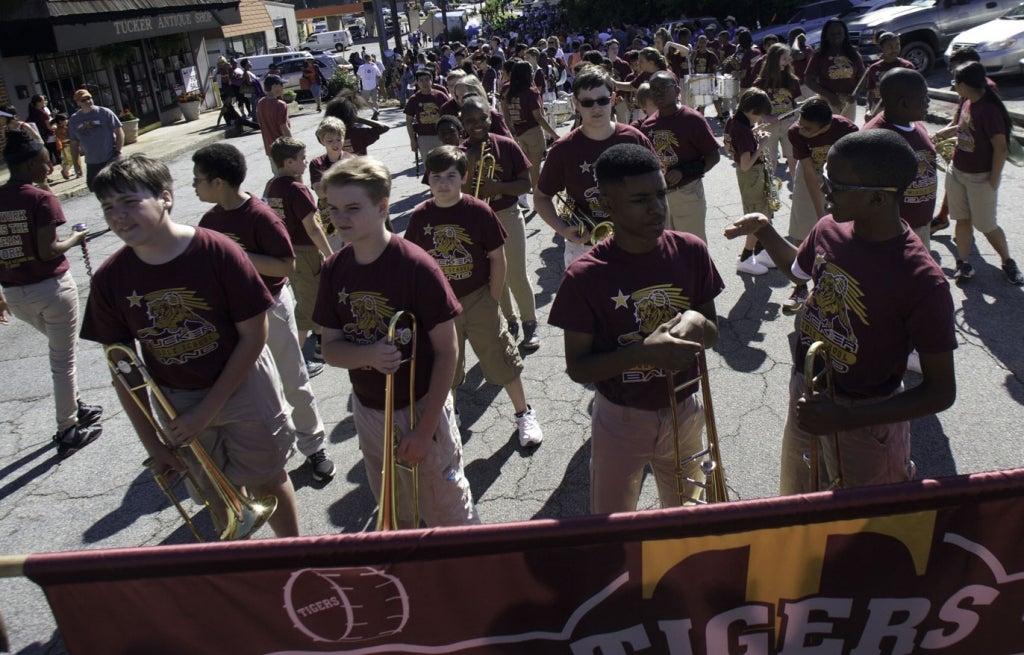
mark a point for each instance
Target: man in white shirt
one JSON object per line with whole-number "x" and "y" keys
{"x": 369, "y": 77}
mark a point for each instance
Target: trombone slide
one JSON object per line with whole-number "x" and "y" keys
{"x": 812, "y": 383}
{"x": 710, "y": 457}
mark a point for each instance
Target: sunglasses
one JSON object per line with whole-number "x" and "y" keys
{"x": 828, "y": 187}
{"x": 603, "y": 101}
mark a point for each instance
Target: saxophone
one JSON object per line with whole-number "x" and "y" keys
{"x": 772, "y": 184}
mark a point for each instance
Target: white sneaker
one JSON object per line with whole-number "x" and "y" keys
{"x": 914, "y": 363}
{"x": 750, "y": 266}
{"x": 530, "y": 433}
{"x": 524, "y": 203}
{"x": 764, "y": 259}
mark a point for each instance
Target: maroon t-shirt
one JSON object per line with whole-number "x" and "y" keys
{"x": 738, "y": 138}
{"x": 783, "y": 98}
{"x": 622, "y": 68}
{"x": 683, "y": 136}
{"x": 918, "y": 203}
{"x": 838, "y": 73}
{"x": 498, "y": 124}
{"x": 509, "y": 162}
{"x": 540, "y": 80}
{"x": 748, "y": 65}
{"x": 889, "y": 297}
{"x": 271, "y": 113}
{"x": 320, "y": 165}
{"x": 292, "y": 201}
{"x": 450, "y": 108}
{"x": 677, "y": 63}
{"x": 703, "y": 63}
{"x": 979, "y": 122}
{"x": 875, "y": 73}
{"x": 425, "y": 111}
{"x": 254, "y": 226}
{"x": 24, "y": 210}
{"x": 800, "y": 60}
{"x": 359, "y": 137}
{"x": 183, "y": 312}
{"x": 570, "y": 166}
{"x": 817, "y": 147}
{"x": 489, "y": 81}
{"x": 639, "y": 78}
{"x": 360, "y": 299}
{"x": 621, "y": 298}
{"x": 520, "y": 111}
{"x": 458, "y": 238}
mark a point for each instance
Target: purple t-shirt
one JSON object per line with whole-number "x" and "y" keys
{"x": 979, "y": 122}
{"x": 292, "y": 201}
{"x": 680, "y": 137}
{"x": 570, "y": 166}
{"x": 889, "y": 297}
{"x": 621, "y": 298}
{"x": 360, "y": 299}
{"x": 509, "y": 162}
{"x": 918, "y": 203}
{"x": 254, "y": 226}
{"x": 182, "y": 312}
{"x": 24, "y": 210}
{"x": 458, "y": 238}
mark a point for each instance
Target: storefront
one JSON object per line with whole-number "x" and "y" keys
{"x": 129, "y": 54}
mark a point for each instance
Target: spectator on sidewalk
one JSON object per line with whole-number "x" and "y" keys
{"x": 96, "y": 133}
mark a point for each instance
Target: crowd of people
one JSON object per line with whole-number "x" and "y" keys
{"x": 221, "y": 327}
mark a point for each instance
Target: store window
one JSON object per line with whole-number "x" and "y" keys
{"x": 59, "y": 75}
{"x": 247, "y": 45}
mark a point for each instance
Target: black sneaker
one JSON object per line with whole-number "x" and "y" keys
{"x": 318, "y": 346}
{"x": 1013, "y": 274}
{"x": 88, "y": 414}
{"x": 314, "y": 369}
{"x": 795, "y": 302}
{"x": 513, "y": 329}
{"x": 75, "y": 438}
{"x": 531, "y": 341}
{"x": 964, "y": 271}
{"x": 322, "y": 465}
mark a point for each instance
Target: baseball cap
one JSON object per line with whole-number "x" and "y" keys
{"x": 82, "y": 94}
{"x": 271, "y": 80}
{"x": 423, "y": 70}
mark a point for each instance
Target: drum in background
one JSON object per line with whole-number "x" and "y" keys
{"x": 728, "y": 87}
{"x": 702, "y": 89}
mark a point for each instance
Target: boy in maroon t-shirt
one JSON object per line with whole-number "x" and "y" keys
{"x": 877, "y": 295}
{"x": 294, "y": 203}
{"x": 890, "y": 45}
{"x": 197, "y": 307}
{"x": 423, "y": 110}
{"x": 362, "y": 286}
{"x": 272, "y": 114}
{"x": 638, "y": 305}
{"x": 466, "y": 239}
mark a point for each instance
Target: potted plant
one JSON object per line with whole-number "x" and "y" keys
{"x": 189, "y": 103}
{"x": 130, "y": 125}
{"x": 289, "y": 97}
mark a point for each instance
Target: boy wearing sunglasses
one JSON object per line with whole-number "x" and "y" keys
{"x": 877, "y": 295}
{"x": 569, "y": 166}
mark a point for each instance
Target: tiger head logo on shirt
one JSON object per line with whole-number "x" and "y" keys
{"x": 370, "y": 312}
{"x": 841, "y": 68}
{"x": 177, "y": 332}
{"x": 829, "y": 312}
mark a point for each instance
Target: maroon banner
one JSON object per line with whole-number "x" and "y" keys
{"x": 931, "y": 566}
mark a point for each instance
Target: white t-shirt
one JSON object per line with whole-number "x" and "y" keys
{"x": 368, "y": 75}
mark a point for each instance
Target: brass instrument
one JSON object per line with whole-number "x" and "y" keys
{"x": 812, "y": 383}
{"x": 710, "y": 457}
{"x": 567, "y": 212}
{"x": 772, "y": 184}
{"x": 387, "y": 513}
{"x": 244, "y": 514}
{"x": 944, "y": 149}
{"x": 485, "y": 167}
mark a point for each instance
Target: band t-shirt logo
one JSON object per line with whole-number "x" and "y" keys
{"x": 840, "y": 68}
{"x": 177, "y": 332}
{"x": 836, "y": 299}
{"x": 651, "y": 306}
{"x": 370, "y": 311}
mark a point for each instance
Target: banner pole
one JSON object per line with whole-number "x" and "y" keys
{"x": 12, "y": 566}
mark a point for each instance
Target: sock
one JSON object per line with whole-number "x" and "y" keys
{"x": 746, "y": 254}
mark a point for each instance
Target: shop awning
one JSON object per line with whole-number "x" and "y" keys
{"x": 254, "y": 19}
{"x": 37, "y": 26}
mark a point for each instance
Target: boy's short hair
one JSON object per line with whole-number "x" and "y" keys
{"x": 963, "y": 55}
{"x": 887, "y": 36}
{"x": 366, "y": 172}
{"x": 755, "y": 100}
{"x": 330, "y": 125}
{"x": 132, "y": 173}
{"x": 442, "y": 158}
{"x": 221, "y": 160}
{"x": 591, "y": 77}
{"x": 270, "y": 81}
{"x": 284, "y": 148}
{"x": 881, "y": 158}
{"x": 643, "y": 94}
{"x": 817, "y": 110}
{"x": 622, "y": 161}
{"x": 449, "y": 121}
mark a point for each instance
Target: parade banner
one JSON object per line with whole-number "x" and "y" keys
{"x": 931, "y": 566}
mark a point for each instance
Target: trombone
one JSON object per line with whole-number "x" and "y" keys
{"x": 245, "y": 514}
{"x": 567, "y": 212}
{"x": 485, "y": 168}
{"x": 812, "y": 383}
{"x": 387, "y": 513}
{"x": 710, "y": 457}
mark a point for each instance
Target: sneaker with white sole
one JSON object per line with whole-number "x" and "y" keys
{"x": 524, "y": 203}
{"x": 795, "y": 302}
{"x": 75, "y": 438}
{"x": 963, "y": 272}
{"x": 750, "y": 266}
{"x": 530, "y": 433}
{"x": 764, "y": 259}
{"x": 322, "y": 465}
{"x": 1012, "y": 273}
{"x": 914, "y": 362}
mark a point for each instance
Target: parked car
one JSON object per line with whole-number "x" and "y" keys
{"x": 291, "y": 71}
{"x": 261, "y": 63}
{"x": 853, "y": 13}
{"x": 810, "y": 17}
{"x": 925, "y": 26}
{"x": 999, "y": 42}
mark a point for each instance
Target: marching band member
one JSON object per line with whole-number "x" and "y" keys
{"x": 422, "y": 110}
{"x": 522, "y": 106}
{"x": 704, "y": 62}
{"x": 778, "y": 80}
{"x": 742, "y": 146}
{"x": 639, "y": 302}
{"x": 835, "y": 69}
{"x": 218, "y": 173}
{"x": 464, "y": 236}
{"x": 687, "y": 148}
{"x": 890, "y": 45}
{"x": 197, "y": 307}
{"x": 362, "y": 286}
{"x": 877, "y": 294}
{"x": 37, "y": 284}
{"x": 569, "y": 166}
{"x": 511, "y": 177}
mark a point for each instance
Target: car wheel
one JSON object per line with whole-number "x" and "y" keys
{"x": 339, "y": 47}
{"x": 920, "y": 54}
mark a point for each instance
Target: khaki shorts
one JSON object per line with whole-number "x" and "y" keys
{"x": 751, "y": 185}
{"x": 532, "y": 143}
{"x": 308, "y": 262}
{"x": 250, "y": 438}
{"x": 802, "y": 215}
{"x": 971, "y": 198}
{"x": 482, "y": 323}
{"x": 687, "y": 209}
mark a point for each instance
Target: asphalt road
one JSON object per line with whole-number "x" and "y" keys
{"x": 103, "y": 498}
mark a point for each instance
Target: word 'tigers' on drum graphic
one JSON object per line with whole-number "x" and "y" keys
{"x": 346, "y": 604}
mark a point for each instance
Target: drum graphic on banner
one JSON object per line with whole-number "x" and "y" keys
{"x": 336, "y": 605}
